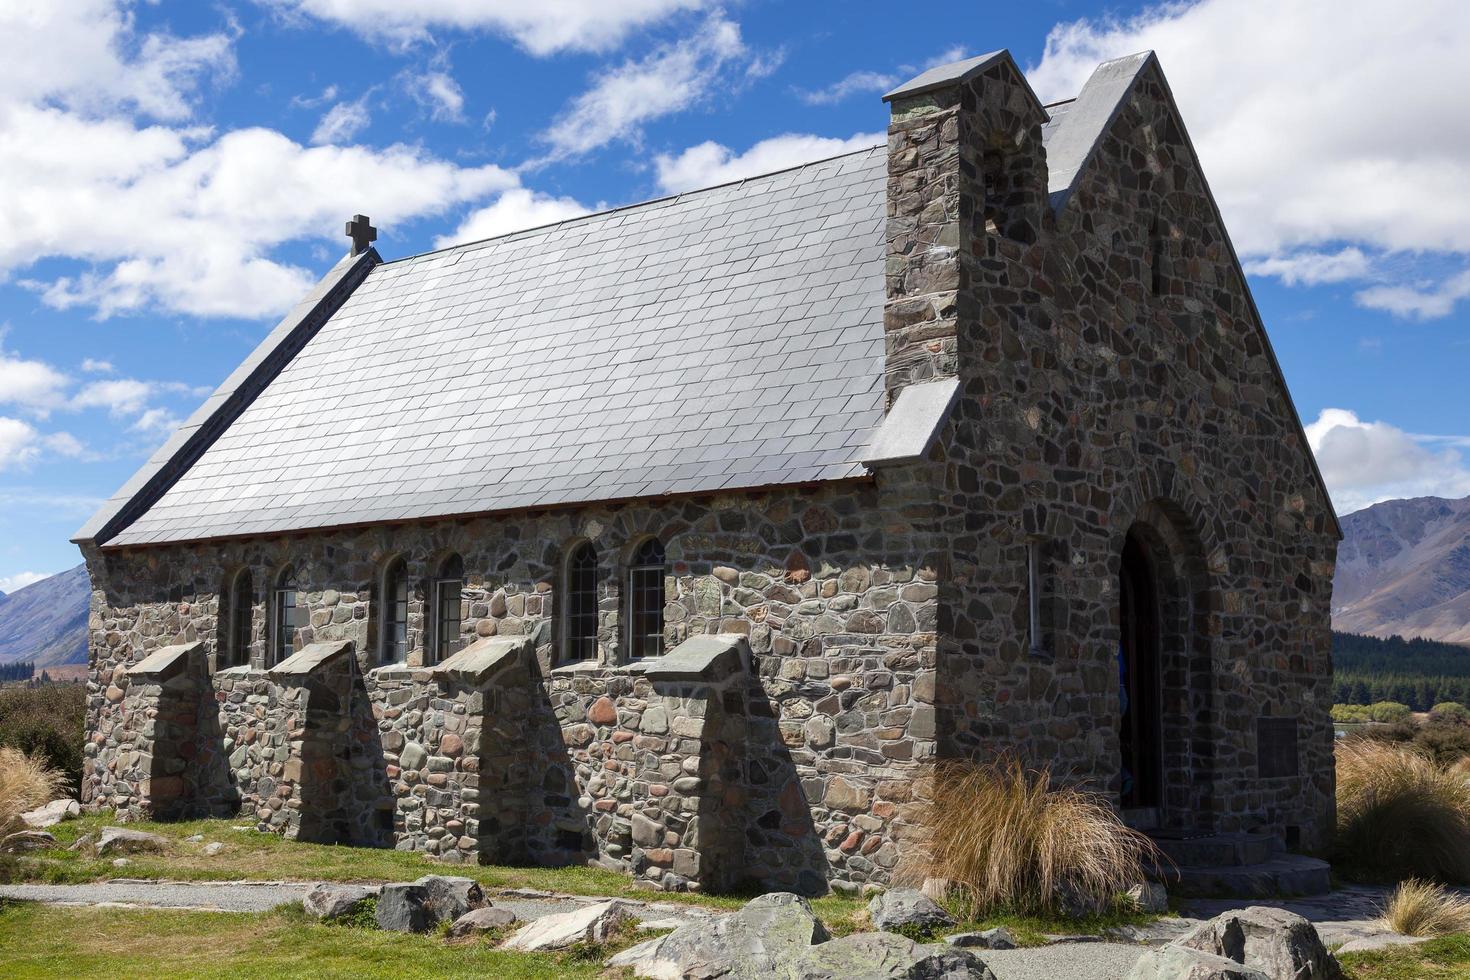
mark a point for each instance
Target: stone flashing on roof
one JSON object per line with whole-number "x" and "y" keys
{"x": 309, "y": 660}
{"x": 914, "y": 421}
{"x": 164, "y": 664}
{"x": 1086, "y": 119}
{"x": 956, "y": 72}
{"x": 190, "y": 441}
{"x": 484, "y": 659}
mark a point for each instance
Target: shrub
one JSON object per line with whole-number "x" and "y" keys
{"x": 1401, "y": 815}
{"x": 26, "y": 782}
{"x": 1353, "y": 713}
{"x": 47, "y": 721}
{"x": 1444, "y": 742}
{"x": 1450, "y": 711}
{"x": 1007, "y": 839}
{"x": 1421, "y": 908}
{"x": 1388, "y": 712}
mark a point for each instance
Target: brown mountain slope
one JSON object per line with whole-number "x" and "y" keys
{"x": 1404, "y": 567}
{"x": 47, "y": 620}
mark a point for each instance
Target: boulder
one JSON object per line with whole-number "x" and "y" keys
{"x": 758, "y": 941}
{"x": 451, "y": 897}
{"x": 908, "y": 907}
{"x": 1181, "y": 963}
{"x": 330, "y": 902}
{"x": 212, "y": 849}
{"x": 1149, "y": 896}
{"x": 27, "y": 840}
{"x": 998, "y": 938}
{"x": 480, "y": 920}
{"x": 1276, "y": 943}
{"x": 886, "y": 956}
{"x": 404, "y": 907}
{"x": 591, "y": 924}
{"x": 52, "y": 814}
{"x": 120, "y": 840}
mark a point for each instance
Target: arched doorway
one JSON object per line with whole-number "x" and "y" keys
{"x": 1140, "y": 725}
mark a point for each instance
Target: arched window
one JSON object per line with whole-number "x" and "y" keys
{"x": 288, "y": 615}
{"x": 646, "y": 600}
{"x": 235, "y": 628}
{"x": 393, "y": 648}
{"x": 581, "y": 600}
{"x": 447, "y": 592}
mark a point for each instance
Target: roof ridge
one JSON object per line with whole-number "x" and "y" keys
{"x": 738, "y": 182}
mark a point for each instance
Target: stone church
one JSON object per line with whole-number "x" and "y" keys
{"x": 681, "y": 537}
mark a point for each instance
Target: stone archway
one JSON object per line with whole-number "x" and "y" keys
{"x": 1165, "y": 604}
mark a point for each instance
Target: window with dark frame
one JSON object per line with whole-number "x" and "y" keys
{"x": 581, "y": 599}
{"x": 289, "y": 615}
{"x": 448, "y": 591}
{"x": 646, "y": 598}
{"x": 242, "y": 604}
{"x": 395, "y": 614}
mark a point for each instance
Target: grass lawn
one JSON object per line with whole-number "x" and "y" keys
{"x": 1439, "y": 959}
{"x": 42, "y": 941}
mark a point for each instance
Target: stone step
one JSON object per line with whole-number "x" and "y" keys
{"x": 1217, "y": 850}
{"x": 1283, "y": 875}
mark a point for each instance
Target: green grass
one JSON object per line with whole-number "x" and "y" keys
{"x": 42, "y": 941}
{"x": 250, "y": 855}
{"x": 1438, "y": 959}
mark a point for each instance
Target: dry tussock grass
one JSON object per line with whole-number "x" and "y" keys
{"x": 1006, "y": 839}
{"x": 1400, "y": 814}
{"x": 1422, "y": 908}
{"x": 26, "y": 782}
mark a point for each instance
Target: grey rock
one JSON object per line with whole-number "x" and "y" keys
{"x": 886, "y": 956}
{"x": 908, "y": 907}
{"x": 758, "y": 941}
{"x": 27, "y": 840}
{"x": 212, "y": 850}
{"x": 1149, "y": 896}
{"x": 1279, "y": 944}
{"x": 404, "y": 907}
{"x": 194, "y": 839}
{"x": 120, "y": 840}
{"x": 590, "y": 924}
{"x": 82, "y": 843}
{"x": 479, "y": 920}
{"x": 51, "y": 814}
{"x": 1181, "y": 963}
{"x": 413, "y": 756}
{"x": 329, "y": 902}
{"x": 450, "y": 897}
{"x": 997, "y": 938}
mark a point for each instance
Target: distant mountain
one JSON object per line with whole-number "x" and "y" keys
{"x": 47, "y": 620}
{"x": 1404, "y": 568}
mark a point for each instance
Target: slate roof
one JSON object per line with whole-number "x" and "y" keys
{"x": 726, "y": 338}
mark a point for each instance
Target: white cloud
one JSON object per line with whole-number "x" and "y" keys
{"x": 18, "y": 581}
{"x": 1365, "y": 462}
{"x": 440, "y": 93}
{"x": 123, "y": 396}
{"x": 711, "y": 163}
{"x": 33, "y": 385}
{"x": 543, "y": 27}
{"x": 672, "y": 78}
{"x": 156, "y": 420}
{"x": 1309, "y": 268}
{"x": 342, "y": 122}
{"x": 18, "y": 443}
{"x": 849, "y": 85}
{"x": 1311, "y": 118}
{"x": 1417, "y": 302}
{"x": 94, "y": 366}
{"x": 513, "y": 211}
{"x": 172, "y": 215}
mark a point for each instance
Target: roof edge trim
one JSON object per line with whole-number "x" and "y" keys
{"x": 1090, "y": 117}
{"x": 182, "y": 449}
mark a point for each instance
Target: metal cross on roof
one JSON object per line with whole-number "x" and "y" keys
{"x": 362, "y": 233}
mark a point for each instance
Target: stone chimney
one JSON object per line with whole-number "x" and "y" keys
{"x": 966, "y": 189}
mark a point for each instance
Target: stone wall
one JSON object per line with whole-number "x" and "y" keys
{"x": 1115, "y": 379}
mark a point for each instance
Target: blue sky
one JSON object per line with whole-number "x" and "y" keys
{"x": 173, "y": 175}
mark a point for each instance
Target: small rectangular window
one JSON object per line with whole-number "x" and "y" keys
{"x": 1037, "y": 632}
{"x": 448, "y": 593}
